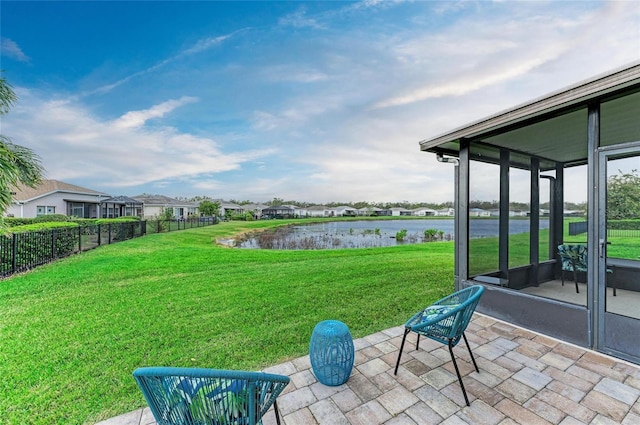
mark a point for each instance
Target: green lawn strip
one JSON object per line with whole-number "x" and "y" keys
{"x": 73, "y": 331}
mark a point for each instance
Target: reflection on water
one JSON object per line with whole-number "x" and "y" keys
{"x": 372, "y": 233}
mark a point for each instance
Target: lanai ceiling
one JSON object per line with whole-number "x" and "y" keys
{"x": 554, "y": 127}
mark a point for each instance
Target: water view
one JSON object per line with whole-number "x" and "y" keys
{"x": 372, "y": 233}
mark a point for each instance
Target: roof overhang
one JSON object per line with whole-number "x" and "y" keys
{"x": 552, "y": 127}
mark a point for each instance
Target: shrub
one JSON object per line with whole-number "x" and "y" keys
{"x": 39, "y": 243}
{"x": 35, "y": 227}
{"x": 50, "y": 218}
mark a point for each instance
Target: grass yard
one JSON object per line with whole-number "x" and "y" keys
{"x": 72, "y": 332}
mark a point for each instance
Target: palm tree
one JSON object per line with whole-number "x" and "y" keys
{"x": 17, "y": 163}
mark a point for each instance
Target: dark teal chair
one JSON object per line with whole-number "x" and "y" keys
{"x": 188, "y": 396}
{"x": 445, "y": 321}
{"x": 573, "y": 258}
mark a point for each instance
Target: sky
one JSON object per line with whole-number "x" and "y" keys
{"x": 309, "y": 101}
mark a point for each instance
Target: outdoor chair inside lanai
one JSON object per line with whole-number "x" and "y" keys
{"x": 573, "y": 259}
{"x": 445, "y": 321}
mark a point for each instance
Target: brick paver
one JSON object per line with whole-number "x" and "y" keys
{"x": 524, "y": 378}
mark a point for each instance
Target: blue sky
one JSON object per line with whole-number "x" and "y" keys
{"x": 308, "y": 101}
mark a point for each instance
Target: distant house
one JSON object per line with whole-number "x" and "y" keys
{"x": 55, "y": 197}
{"x": 574, "y": 213}
{"x": 297, "y": 211}
{"x": 373, "y": 212}
{"x": 318, "y": 211}
{"x": 423, "y": 212}
{"x": 345, "y": 211}
{"x": 121, "y": 206}
{"x": 156, "y": 205}
{"x": 479, "y": 212}
{"x": 229, "y": 208}
{"x": 279, "y": 211}
{"x": 450, "y": 212}
{"x": 255, "y": 209}
{"x": 399, "y": 211}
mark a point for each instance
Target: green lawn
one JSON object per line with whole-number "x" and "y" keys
{"x": 72, "y": 332}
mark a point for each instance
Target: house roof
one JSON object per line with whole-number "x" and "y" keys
{"x": 122, "y": 200}
{"x": 280, "y": 208}
{"x": 25, "y": 193}
{"x": 554, "y": 126}
{"x": 162, "y": 200}
{"x": 254, "y": 207}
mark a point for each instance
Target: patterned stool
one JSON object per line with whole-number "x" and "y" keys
{"x": 331, "y": 352}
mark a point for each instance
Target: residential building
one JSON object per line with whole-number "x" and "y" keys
{"x": 279, "y": 211}
{"x": 479, "y": 212}
{"x": 423, "y": 212}
{"x": 446, "y": 212}
{"x": 155, "y": 206}
{"x": 121, "y": 206}
{"x": 399, "y": 211}
{"x": 319, "y": 211}
{"x": 56, "y": 197}
{"x": 255, "y": 209}
{"x": 345, "y": 211}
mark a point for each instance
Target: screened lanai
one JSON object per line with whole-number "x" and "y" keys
{"x": 582, "y": 142}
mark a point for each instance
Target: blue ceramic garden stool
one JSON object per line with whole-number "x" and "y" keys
{"x": 331, "y": 352}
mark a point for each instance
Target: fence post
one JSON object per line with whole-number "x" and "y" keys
{"x": 109, "y": 232}
{"x": 99, "y": 235}
{"x": 14, "y": 260}
{"x": 79, "y": 238}
{"x": 53, "y": 244}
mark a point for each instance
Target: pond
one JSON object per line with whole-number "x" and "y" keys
{"x": 373, "y": 233}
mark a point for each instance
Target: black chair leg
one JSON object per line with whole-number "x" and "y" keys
{"x": 406, "y": 332}
{"x": 455, "y": 365}
{"x": 473, "y": 359}
{"x": 275, "y": 409}
{"x": 575, "y": 278}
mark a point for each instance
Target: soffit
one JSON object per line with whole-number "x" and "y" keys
{"x": 553, "y": 127}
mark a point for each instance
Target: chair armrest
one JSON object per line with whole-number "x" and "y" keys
{"x": 416, "y": 323}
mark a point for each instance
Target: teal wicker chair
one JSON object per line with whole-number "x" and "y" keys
{"x": 445, "y": 321}
{"x": 573, "y": 258}
{"x": 187, "y": 396}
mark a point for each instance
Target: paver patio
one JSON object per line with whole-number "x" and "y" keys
{"x": 525, "y": 378}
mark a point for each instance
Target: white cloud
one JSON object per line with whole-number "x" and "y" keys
{"x": 474, "y": 54}
{"x": 10, "y": 48}
{"x": 199, "y": 46}
{"x": 76, "y": 145}
{"x": 299, "y": 19}
{"x": 139, "y": 118}
{"x": 293, "y": 74}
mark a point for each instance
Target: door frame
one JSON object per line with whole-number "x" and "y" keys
{"x": 607, "y": 326}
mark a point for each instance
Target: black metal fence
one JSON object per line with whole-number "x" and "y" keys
{"x": 159, "y": 226}
{"x": 20, "y": 252}
{"x": 624, "y": 230}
